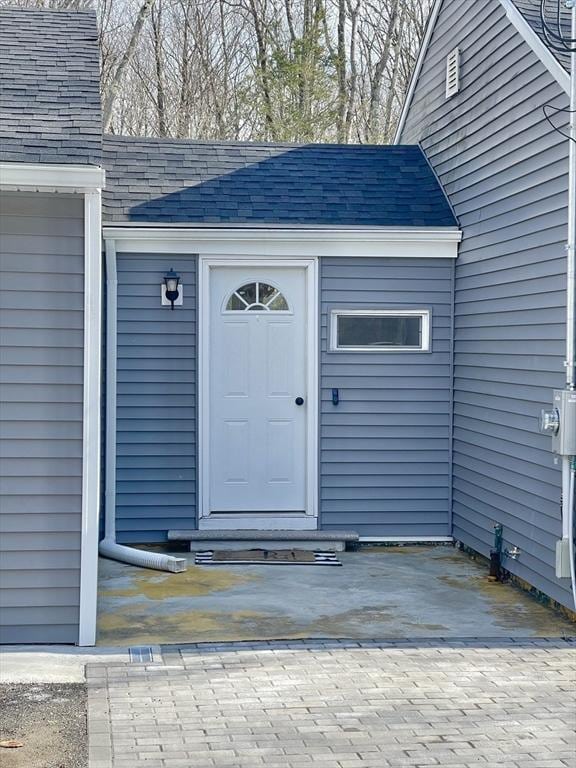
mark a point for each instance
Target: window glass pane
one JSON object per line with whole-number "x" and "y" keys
{"x": 279, "y": 304}
{"x": 379, "y": 331}
{"x": 248, "y": 293}
{"x": 257, "y": 297}
{"x": 265, "y": 292}
{"x": 235, "y": 303}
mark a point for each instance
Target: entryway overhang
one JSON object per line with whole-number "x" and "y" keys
{"x": 406, "y": 242}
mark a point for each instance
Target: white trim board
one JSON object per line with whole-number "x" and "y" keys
{"x": 406, "y": 539}
{"x": 417, "y": 68}
{"x": 284, "y": 243}
{"x": 515, "y": 17}
{"x": 312, "y": 389}
{"x": 91, "y": 418}
{"x": 255, "y": 523}
{"x": 51, "y": 178}
{"x": 537, "y": 45}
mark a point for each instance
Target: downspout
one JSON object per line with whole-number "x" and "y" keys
{"x": 569, "y": 463}
{"x": 108, "y": 546}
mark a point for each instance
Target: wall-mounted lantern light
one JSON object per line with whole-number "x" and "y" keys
{"x": 171, "y": 290}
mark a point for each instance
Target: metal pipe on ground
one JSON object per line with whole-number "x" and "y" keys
{"x": 496, "y": 554}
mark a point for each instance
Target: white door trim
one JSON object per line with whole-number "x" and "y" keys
{"x": 310, "y": 519}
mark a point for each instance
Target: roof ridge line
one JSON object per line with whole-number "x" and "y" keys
{"x": 124, "y": 138}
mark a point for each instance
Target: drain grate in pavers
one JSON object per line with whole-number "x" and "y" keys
{"x": 141, "y": 654}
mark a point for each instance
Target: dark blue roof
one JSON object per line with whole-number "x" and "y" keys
{"x": 49, "y": 87}
{"x": 168, "y": 181}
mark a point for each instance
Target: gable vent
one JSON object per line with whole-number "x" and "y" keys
{"x": 453, "y": 73}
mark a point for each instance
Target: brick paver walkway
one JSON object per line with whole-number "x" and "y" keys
{"x": 487, "y": 704}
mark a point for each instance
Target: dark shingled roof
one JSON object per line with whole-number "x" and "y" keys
{"x": 530, "y": 10}
{"x": 168, "y": 181}
{"x": 49, "y": 87}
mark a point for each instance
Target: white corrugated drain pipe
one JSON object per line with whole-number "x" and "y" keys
{"x": 108, "y": 546}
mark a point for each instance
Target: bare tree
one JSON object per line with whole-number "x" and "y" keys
{"x": 125, "y": 60}
{"x": 157, "y": 36}
{"x": 289, "y": 70}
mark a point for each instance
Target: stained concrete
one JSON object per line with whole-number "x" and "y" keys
{"x": 392, "y": 592}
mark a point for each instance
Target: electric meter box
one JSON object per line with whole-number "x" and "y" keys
{"x": 564, "y": 439}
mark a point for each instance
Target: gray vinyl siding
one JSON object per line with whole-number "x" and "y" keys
{"x": 156, "y": 400}
{"x": 41, "y": 357}
{"x": 504, "y": 170}
{"x": 385, "y": 449}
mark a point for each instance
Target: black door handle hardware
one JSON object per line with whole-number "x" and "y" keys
{"x": 335, "y": 397}
{"x": 299, "y": 401}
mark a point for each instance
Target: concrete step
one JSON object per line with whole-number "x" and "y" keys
{"x": 334, "y": 541}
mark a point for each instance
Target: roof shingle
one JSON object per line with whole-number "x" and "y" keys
{"x": 530, "y": 10}
{"x": 168, "y": 181}
{"x": 49, "y": 87}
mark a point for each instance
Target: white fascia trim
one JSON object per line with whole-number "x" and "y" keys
{"x": 537, "y": 45}
{"x": 417, "y": 69}
{"x": 276, "y": 242}
{"x": 64, "y": 178}
{"x": 407, "y": 539}
{"x": 279, "y": 234}
{"x": 91, "y": 417}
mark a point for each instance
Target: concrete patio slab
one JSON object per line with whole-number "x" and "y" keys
{"x": 380, "y": 592}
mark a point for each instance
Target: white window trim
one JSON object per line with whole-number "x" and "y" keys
{"x": 308, "y": 521}
{"x": 425, "y": 314}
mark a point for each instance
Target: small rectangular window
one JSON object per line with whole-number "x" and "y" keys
{"x": 453, "y": 73}
{"x": 380, "y": 330}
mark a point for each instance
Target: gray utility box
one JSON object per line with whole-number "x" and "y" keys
{"x": 564, "y": 438}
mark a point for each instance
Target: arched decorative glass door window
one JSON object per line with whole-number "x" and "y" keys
{"x": 257, "y": 297}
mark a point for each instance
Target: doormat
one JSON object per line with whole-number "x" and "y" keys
{"x": 266, "y": 557}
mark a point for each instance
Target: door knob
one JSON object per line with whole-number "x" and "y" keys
{"x": 299, "y": 401}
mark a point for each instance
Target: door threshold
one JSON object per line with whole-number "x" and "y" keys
{"x": 258, "y": 522}
{"x": 253, "y": 539}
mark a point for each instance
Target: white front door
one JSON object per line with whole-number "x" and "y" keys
{"x": 258, "y": 403}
